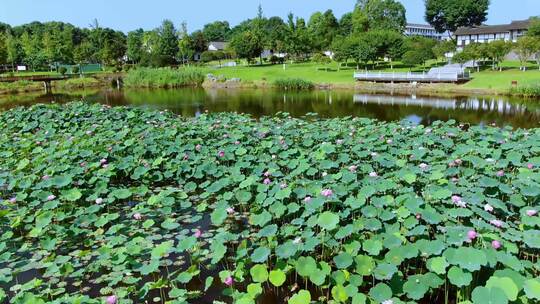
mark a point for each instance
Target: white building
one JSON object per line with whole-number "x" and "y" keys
{"x": 488, "y": 33}
{"x": 215, "y": 46}
{"x": 424, "y": 30}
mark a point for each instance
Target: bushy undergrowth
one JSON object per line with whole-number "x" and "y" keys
{"x": 77, "y": 83}
{"x": 164, "y": 77}
{"x": 526, "y": 91}
{"x": 294, "y": 84}
{"x": 130, "y": 205}
{"x": 19, "y": 86}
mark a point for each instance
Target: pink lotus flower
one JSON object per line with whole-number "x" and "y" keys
{"x": 45, "y": 177}
{"x": 186, "y": 157}
{"x": 51, "y": 197}
{"x": 267, "y": 174}
{"x": 297, "y": 240}
{"x": 458, "y": 201}
{"x": 198, "y": 147}
{"x": 451, "y": 164}
{"x": 339, "y": 141}
{"x": 99, "y": 200}
{"x": 230, "y": 210}
{"x": 418, "y": 216}
{"x": 471, "y": 235}
{"x": 389, "y": 141}
{"x": 137, "y": 216}
{"x": 237, "y": 142}
{"x": 488, "y": 208}
{"x": 500, "y": 173}
{"x": 221, "y": 154}
{"x": 103, "y": 161}
{"x": 373, "y": 174}
{"x": 105, "y": 166}
{"x": 324, "y": 174}
{"x": 83, "y": 164}
{"x": 111, "y": 300}
{"x": 267, "y": 181}
{"x": 496, "y": 244}
{"x": 13, "y": 200}
{"x": 497, "y": 223}
{"x": 283, "y": 185}
{"x": 327, "y": 193}
{"x": 197, "y": 233}
{"x": 530, "y": 166}
{"x": 455, "y": 179}
{"x": 374, "y": 154}
{"x": 531, "y": 212}
{"x": 456, "y": 198}
{"x": 388, "y": 302}
{"x": 423, "y": 166}
{"x": 353, "y": 168}
{"x": 307, "y": 199}
{"x": 229, "y": 281}
{"x": 458, "y": 162}
{"x": 88, "y": 132}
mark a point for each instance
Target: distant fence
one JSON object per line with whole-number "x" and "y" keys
{"x": 432, "y": 76}
{"x": 83, "y": 68}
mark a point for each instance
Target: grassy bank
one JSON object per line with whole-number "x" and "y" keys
{"x": 250, "y": 208}
{"x": 164, "y": 78}
{"x": 18, "y": 87}
{"x": 486, "y": 81}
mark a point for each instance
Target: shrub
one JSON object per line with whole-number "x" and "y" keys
{"x": 62, "y": 70}
{"x": 294, "y": 84}
{"x": 164, "y": 77}
{"x": 75, "y": 69}
{"x": 530, "y": 91}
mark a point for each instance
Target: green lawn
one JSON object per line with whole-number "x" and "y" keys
{"x": 485, "y": 79}
{"x": 496, "y": 80}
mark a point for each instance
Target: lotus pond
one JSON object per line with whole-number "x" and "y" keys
{"x": 130, "y": 205}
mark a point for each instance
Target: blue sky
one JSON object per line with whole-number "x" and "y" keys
{"x": 127, "y": 15}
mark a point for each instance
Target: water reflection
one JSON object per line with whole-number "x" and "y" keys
{"x": 328, "y": 104}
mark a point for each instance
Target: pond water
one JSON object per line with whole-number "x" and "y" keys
{"x": 499, "y": 110}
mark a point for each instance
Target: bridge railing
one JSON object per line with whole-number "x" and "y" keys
{"x": 410, "y": 76}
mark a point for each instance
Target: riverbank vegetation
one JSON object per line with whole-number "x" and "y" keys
{"x": 293, "y": 84}
{"x": 164, "y": 77}
{"x": 371, "y": 36}
{"x": 132, "y": 205}
{"x": 526, "y": 91}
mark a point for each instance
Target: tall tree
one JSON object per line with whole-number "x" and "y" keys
{"x": 323, "y": 27}
{"x": 135, "y": 49}
{"x": 217, "y": 31}
{"x": 3, "y": 48}
{"x": 13, "y": 50}
{"x": 526, "y": 47}
{"x": 384, "y": 14}
{"x": 346, "y": 24}
{"x": 534, "y": 27}
{"x": 497, "y": 50}
{"x": 186, "y": 49}
{"x": 168, "y": 41}
{"x": 247, "y": 45}
{"x": 449, "y": 15}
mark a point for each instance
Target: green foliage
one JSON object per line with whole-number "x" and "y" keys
{"x": 62, "y": 70}
{"x": 247, "y": 45}
{"x": 449, "y": 15}
{"x": 529, "y": 91}
{"x": 164, "y": 77}
{"x": 293, "y": 84}
{"x": 383, "y": 14}
{"x": 117, "y": 194}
